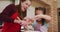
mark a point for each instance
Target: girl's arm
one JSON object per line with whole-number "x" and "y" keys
{"x": 46, "y": 17}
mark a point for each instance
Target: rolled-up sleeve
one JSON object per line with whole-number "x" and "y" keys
{"x": 7, "y": 12}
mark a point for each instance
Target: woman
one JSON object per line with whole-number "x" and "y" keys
{"x": 10, "y": 16}
{"x": 39, "y": 25}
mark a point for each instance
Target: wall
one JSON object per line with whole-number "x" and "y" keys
{"x": 3, "y": 4}
{"x": 58, "y": 3}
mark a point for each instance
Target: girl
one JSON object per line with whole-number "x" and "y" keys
{"x": 39, "y": 25}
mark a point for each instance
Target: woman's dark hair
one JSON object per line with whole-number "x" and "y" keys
{"x": 44, "y": 12}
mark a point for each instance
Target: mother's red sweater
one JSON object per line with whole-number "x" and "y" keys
{"x": 7, "y": 16}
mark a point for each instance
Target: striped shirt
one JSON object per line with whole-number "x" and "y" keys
{"x": 40, "y": 28}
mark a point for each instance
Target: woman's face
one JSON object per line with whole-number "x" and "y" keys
{"x": 25, "y": 5}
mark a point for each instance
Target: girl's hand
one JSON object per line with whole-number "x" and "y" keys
{"x": 30, "y": 20}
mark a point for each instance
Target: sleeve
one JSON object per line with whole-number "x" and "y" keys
{"x": 7, "y": 12}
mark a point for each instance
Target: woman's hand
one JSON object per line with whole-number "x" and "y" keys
{"x": 17, "y": 20}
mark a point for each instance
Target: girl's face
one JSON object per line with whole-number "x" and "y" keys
{"x": 25, "y": 5}
{"x": 39, "y": 12}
